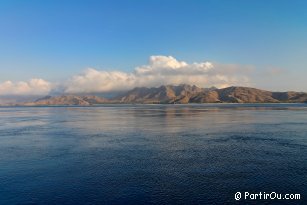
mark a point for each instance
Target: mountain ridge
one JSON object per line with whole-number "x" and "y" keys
{"x": 181, "y": 94}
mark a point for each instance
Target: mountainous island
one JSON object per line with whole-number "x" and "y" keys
{"x": 181, "y": 94}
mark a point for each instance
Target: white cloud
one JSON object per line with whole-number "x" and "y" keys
{"x": 160, "y": 70}
{"x": 34, "y": 86}
{"x": 92, "y": 80}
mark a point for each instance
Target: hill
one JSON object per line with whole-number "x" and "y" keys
{"x": 67, "y": 100}
{"x": 169, "y": 94}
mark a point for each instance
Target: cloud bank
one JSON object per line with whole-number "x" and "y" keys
{"x": 35, "y": 86}
{"x": 160, "y": 70}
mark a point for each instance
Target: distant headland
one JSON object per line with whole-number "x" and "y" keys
{"x": 171, "y": 94}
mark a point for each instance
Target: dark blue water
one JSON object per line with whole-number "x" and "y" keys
{"x": 152, "y": 154}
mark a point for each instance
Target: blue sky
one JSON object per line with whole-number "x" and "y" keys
{"x": 55, "y": 40}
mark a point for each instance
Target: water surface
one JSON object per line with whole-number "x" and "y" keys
{"x": 151, "y": 154}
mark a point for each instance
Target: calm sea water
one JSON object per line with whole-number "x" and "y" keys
{"x": 152, "y": 154}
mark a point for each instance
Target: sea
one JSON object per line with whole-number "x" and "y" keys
{"x": 154, "y": 154}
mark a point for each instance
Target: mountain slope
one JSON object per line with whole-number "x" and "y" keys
{"x": 163, "y": 94}
{"x": 193, "y": 94}
{"x": 248, "y": 95}
{"x": 68, "y": 100}
{"x": 180, "y": 94}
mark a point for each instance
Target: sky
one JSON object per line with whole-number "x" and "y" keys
{"x": 102, "y": 46}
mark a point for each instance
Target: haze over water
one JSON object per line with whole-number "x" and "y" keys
{"x": 151, "y": 154}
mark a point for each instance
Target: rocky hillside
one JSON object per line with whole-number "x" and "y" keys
{"x": 162, "y": 94}
{"x": 170, "y": 94}
{"x": 253, "y": 95}
{"x": 193, "y": 94}
{"x": 68, "y": 100}
{"x": 247, "y": 95}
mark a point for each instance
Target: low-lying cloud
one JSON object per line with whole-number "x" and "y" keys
{"x": 160, "y": 70}
{"x": 35, "y": 86}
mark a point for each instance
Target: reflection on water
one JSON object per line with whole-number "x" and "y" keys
{"x": 159, "y": 154}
